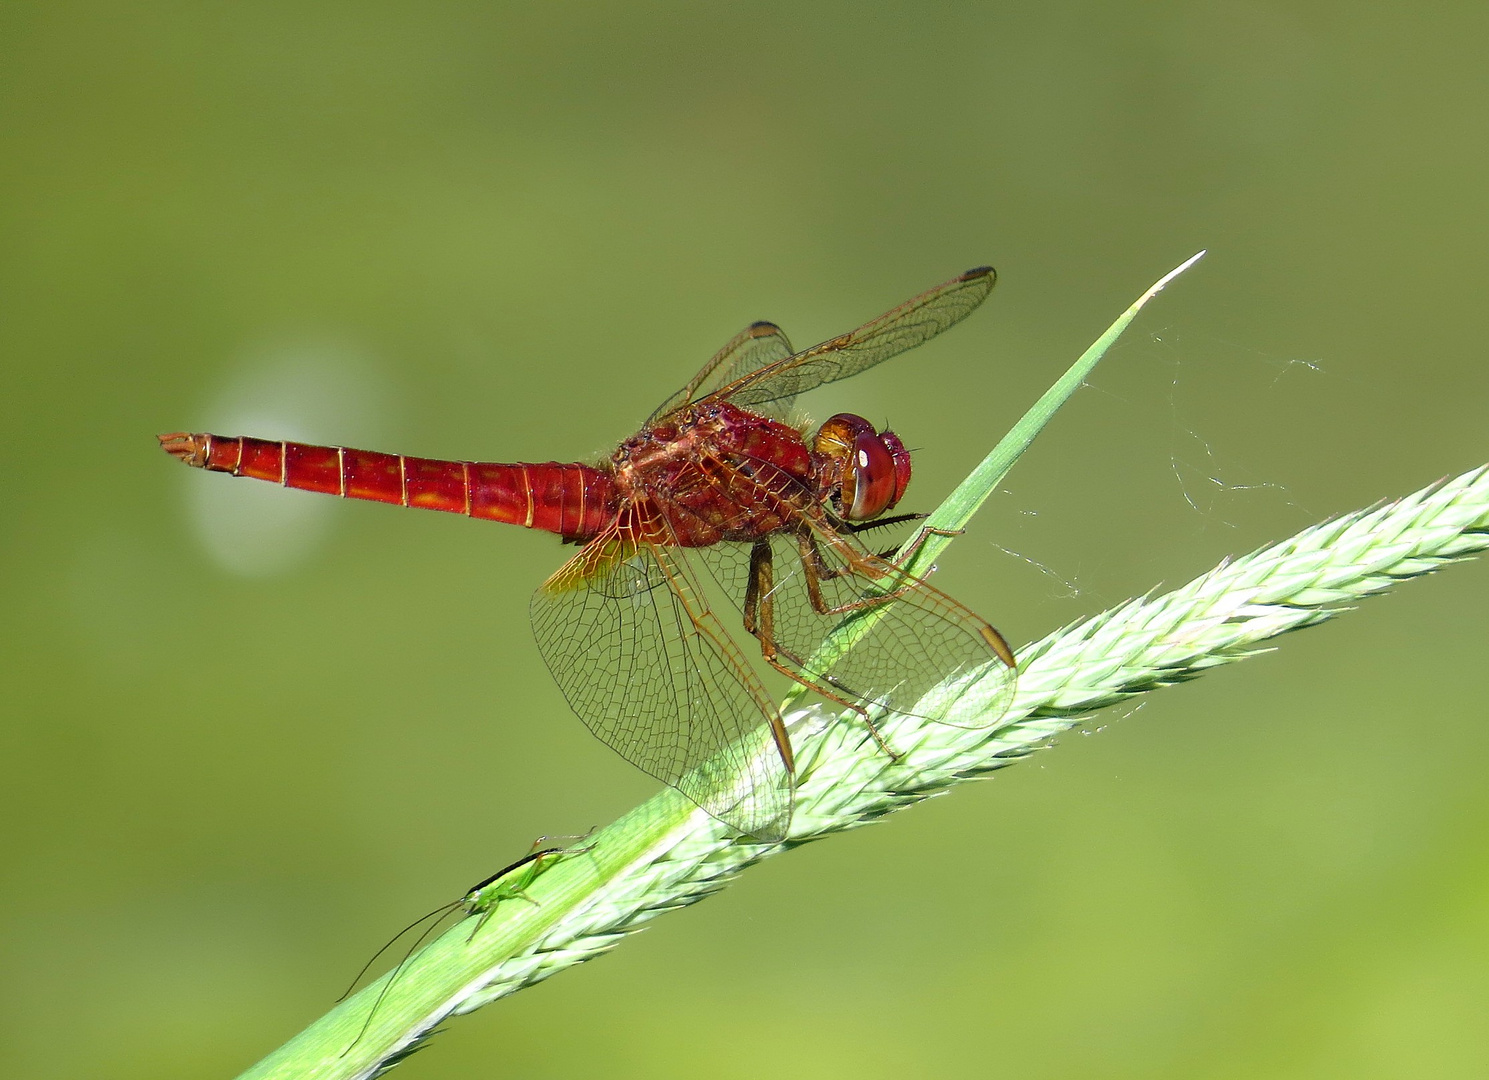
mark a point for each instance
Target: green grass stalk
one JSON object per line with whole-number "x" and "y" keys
{"x": 667, "y": 854}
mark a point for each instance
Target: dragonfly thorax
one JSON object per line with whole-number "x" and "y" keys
{"x": 717, "y": 472}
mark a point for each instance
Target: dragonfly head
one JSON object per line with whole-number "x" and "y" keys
{"x": 865, "y": 472}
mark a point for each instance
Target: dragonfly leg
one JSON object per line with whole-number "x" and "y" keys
{"x": 905, "y": 553}
{"x": 757, "y": 590}
{"x": 855, "y": 563}
{"x": 816, "y": 569}
{"x": 888, "y": 554}
{"x": 879, "y": 523}
{"x": 759, "y": 620}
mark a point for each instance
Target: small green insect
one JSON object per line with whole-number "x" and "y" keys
{"x": 481, "y": 900}
{"x": 509, "y": 883}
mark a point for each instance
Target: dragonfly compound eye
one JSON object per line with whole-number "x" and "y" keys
{"x": 870, "y": 468}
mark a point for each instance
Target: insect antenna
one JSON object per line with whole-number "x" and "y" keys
{"x": 442, "y": 909}
{"x": 437, "y": 914}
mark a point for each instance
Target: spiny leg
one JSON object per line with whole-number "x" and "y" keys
{"x": 761, "y": 581}
{"x": 907, "y": 552}
{"x": 817, "y": 570}
{"x": 853, "y": 562}
{"x": 759, "y": 620}
{"x": 888, "y": 554}
{"x": 880, "y": 523}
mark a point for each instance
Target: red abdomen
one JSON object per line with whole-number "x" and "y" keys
{"x": 575, "y": 501}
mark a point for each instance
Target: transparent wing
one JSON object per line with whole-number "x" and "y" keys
{"x": 756, "y": 346}
{"x": 653, "y": 673}
{"x": 922, "y": 638}
{"x": 912, "y": 323}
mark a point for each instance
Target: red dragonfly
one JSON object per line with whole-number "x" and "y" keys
{"x": 717, "y": 485}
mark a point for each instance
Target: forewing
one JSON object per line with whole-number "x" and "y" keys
{"x": 652, "y": 672}
{"x": 910, "y": 645}
{"x": 912, "y": 323}
{"x": 756, "y": 346}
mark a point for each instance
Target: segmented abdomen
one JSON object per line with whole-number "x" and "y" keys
{"x": 575, "y": 501}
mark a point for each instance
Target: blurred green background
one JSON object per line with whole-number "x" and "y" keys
{"x": 248, "y": 733}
